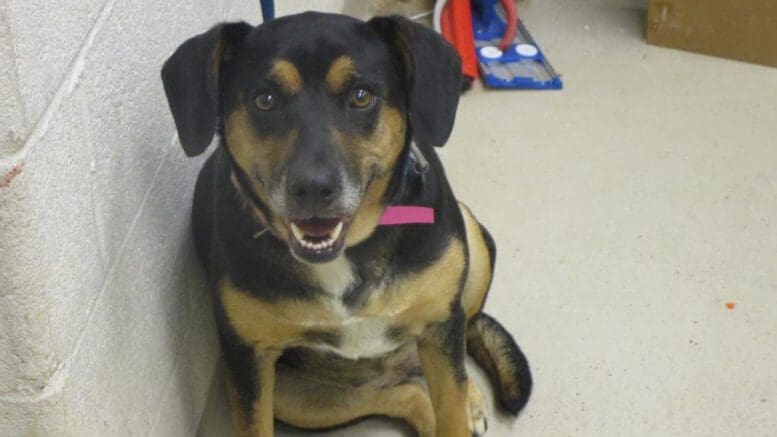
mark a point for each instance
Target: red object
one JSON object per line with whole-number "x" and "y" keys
{"x": 456, "y": 25}
{"x": 512, "y": 23}
{"x": 731, "y": 305}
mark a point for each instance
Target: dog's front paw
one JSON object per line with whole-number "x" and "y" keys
{"x": 476, "y": 411}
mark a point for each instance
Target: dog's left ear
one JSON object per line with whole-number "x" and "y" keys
{"x": 433, "y": 73}
{"x": 191, "y": 81}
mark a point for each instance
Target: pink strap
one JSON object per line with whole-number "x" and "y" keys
{"x": 402, "y": 215}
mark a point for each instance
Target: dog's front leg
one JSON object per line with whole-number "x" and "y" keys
{"x": 441, "y": 350}
{"x": 260, "y": 420}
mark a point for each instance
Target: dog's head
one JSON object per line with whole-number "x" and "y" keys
{"x": 316, "y": 110}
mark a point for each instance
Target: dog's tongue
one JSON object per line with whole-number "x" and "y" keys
{"x": 317, "y": 227}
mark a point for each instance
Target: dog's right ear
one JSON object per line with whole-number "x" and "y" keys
{"x": 190, "y": 77}
{"x": 433, "y": 75}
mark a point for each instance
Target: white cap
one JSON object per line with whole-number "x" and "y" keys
{"x": 527, "y": 50}
{"x": 490, "y": 52}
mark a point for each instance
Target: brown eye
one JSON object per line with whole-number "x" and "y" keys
{"x": 266, "y": 101}
{"x": 361, "y": 97}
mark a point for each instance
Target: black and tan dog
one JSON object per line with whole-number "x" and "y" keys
{"x": 324, "y": 315}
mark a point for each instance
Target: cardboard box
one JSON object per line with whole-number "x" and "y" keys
{"x": 739, "y": 29}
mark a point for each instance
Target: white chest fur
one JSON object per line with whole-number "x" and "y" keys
{"x": 358, "y": 336}
{"x": 334, "y": 277}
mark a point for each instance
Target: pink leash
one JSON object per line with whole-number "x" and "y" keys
{"x": 404, "y": 215}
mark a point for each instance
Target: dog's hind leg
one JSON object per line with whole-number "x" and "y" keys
{"x": 312, "y": 404}
{"x": 482, "y": 255}
{"x": 488, "y": 343}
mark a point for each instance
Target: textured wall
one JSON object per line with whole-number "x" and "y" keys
{"x": 105, "y": 324}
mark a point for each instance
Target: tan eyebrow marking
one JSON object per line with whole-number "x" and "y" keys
{"x": 339, "y": 72}
{"x": 287, "y": 76}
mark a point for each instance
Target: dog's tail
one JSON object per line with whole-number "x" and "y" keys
{"x": 495, "y": 351}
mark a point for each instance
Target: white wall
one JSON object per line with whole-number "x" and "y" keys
{"x": 105, "y": 323}
{"x": 105, "y": 326}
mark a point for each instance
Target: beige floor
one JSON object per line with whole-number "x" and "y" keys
{"x": 628, "y": 209}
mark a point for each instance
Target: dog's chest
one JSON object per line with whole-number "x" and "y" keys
{"x": 356, "y": 335}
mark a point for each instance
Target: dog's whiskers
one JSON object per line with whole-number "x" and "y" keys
{"x": 260, "y": 233}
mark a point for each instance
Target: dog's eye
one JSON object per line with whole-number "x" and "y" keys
{"x": 361, "y": 97}
{"x": 266, "y": 101}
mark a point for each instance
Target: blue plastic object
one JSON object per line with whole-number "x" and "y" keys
{"x": 521, "y": 65}
{"x": 268, "y": 10}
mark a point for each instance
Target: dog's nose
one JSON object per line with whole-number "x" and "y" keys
{"x": 316, "y": 189}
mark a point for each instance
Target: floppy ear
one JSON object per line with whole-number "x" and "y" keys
{"x": 190, "y": 78}
{"x": 433, "y": 73}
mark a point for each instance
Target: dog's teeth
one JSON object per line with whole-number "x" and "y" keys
{"x": 331, "y": 239}
{"x": 320, "y": 246}
{"x": 298, "y": 234}
{"x": 336, "y": 232}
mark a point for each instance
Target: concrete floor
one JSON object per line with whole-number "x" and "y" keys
{"x": 628, "y": 209}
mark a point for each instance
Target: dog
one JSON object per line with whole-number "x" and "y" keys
{"x": 347, "y": 279}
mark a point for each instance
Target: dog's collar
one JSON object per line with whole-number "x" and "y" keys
{"x": 406, "y": 215}
{"x": 420, "y": 164}
{"x": 240, "y": 182}
{"x": 410, "y": 214}
{"x": 249, "y": 197}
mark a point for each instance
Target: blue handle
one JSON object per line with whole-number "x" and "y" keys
{"x": 268, "y": 10}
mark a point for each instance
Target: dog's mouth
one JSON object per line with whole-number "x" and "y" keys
{"x": 318, "y": 239}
